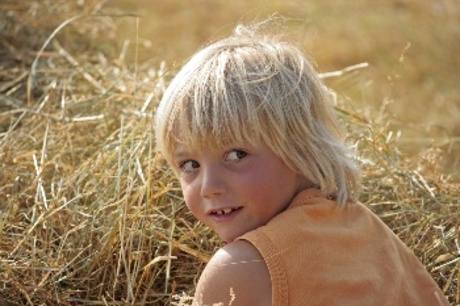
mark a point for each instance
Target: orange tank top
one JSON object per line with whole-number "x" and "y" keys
{"x": 319, "y": 253}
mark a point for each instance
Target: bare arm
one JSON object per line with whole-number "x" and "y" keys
{"x": 236, "y": 275}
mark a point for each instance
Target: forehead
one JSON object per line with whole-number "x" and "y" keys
{"x": 181, "y": 150}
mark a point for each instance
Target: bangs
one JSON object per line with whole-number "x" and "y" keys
{"x": 203, "y": 125}
{"x": 217, "y": 106}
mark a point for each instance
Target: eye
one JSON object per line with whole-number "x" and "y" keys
{"x": 189, "y": 165}
{"x": 236, "y": 155}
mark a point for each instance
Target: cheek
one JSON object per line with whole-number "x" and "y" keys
{"x": 272, "y": 183}
{"x": 257, "y": 185}
{"x": 189, "y": 196}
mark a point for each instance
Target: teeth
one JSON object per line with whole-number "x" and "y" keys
{"x": 224, "y": 211}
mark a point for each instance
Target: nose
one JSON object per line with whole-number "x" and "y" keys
{"x": 212, "y": 181}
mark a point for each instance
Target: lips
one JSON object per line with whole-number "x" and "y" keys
{"x": 225, "y": 214}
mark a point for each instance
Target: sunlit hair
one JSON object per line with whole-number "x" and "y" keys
{"x": 256, "y": 88}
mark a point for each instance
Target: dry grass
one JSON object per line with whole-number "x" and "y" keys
{"x": 89, "y": 214}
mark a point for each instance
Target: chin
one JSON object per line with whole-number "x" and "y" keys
{"x": 228, "y": 238}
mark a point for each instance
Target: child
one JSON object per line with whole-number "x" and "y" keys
{"x": 249, "y": 130}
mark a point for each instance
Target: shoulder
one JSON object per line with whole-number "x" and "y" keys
{"x": 236, "y": 275}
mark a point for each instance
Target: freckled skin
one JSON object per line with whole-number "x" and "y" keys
{"x": 252, "y": 180}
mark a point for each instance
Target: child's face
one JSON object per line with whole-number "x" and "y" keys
{"x": 236, "y": 189}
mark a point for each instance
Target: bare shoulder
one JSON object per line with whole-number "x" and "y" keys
{"x": 236, "y": 275}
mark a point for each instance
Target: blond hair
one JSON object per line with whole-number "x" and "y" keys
{"x": 256, "y": 88}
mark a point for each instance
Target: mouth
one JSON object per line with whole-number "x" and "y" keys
{"x": 224, "y": 211}
{"x": 225, "y": 214}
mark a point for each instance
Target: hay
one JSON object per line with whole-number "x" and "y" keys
{"x": 89, "y": 214}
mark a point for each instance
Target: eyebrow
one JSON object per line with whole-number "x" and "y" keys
{"x": 180, "y": 153}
